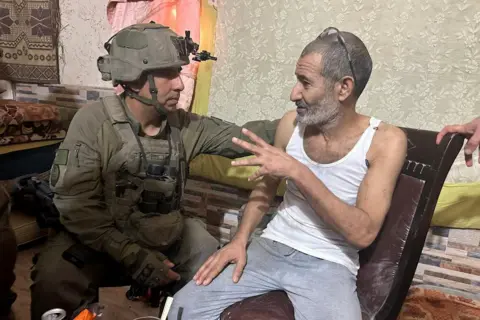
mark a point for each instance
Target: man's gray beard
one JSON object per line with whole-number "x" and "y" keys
{"x": 325, "y": 113}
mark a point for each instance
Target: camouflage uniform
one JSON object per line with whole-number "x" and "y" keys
{"x": 120, "y": 222}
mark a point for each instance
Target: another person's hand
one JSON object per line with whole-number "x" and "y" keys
{"x": 234, "y": 252}
{"x": 272, "y": 160}
{"x": 472, "y": 131}
{"x": 153, "y": 269}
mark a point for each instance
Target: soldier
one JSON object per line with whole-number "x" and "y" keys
{"x": 119, "y": 175}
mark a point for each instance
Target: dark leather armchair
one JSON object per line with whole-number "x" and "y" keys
{"x": 387, "y": 267}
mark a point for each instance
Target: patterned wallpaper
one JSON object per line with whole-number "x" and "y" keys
{"x": 83, "y": 32}
{"x": 426, "y": 58}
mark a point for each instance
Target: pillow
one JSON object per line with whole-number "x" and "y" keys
{"x": 220, "y": 170}
{"x": 458, "y": 206}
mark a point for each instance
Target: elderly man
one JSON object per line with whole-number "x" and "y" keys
{"x": 341, "y": 169}
{"x": 119, "y": 176}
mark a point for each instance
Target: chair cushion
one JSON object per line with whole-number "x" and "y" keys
{"x": 273, "y": 305}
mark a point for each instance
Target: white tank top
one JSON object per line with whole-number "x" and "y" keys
{"x": 297, "y": 225}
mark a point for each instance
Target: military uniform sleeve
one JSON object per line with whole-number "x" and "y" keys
{"x": 211, "y": 135}
{"x": 76, "y": 180}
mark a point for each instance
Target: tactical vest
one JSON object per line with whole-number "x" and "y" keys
{"x": 145, "y": 180}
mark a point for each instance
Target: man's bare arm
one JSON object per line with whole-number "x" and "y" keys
{"x": 265, "y": 190}
{"x": 257, "y": 206}
{"x": 360, "y": 224}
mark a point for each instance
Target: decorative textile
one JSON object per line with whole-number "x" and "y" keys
{"x": 25, "y": 122}
{"x": 28, "y": 40}
{"x": 425, "y": 60}
{"x": 428, "y": 304}
{"x": 16, "y": 112}
{"x": 40, "y": 133}
{"x": 179, "y": 15}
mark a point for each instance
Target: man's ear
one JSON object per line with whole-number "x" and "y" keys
{"x": 345, "y": 88}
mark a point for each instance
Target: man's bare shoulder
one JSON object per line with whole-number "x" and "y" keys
{"x": 285, "y": 128}
{"x": 389, "y": 142}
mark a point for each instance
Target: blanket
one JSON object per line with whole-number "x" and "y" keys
{"x": 29, "y": 37}
{"x": 429, "y": 304}
{"x": 26, "y": 122}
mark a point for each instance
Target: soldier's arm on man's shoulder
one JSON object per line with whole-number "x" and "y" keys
{"x": 210, "y": 135}
{"x": 76, "y": 179}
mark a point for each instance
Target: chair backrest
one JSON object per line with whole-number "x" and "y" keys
{"x": 387, "y": 266}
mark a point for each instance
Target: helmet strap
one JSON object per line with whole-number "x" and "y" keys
{"x": 150, "y": 102}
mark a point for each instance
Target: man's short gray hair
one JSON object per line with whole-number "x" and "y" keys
{"x": 335, "y": 64}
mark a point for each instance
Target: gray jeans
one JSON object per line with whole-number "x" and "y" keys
{"x": 318, "y": 289}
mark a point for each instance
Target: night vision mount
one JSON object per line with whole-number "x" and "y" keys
{"x": 187, "y": 47}
{"x": 145, "y": 47}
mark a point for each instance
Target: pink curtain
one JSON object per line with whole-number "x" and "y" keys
{"x": 179, "y": 15}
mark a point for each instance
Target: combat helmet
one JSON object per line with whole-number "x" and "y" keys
{"x": 142, "y": 48}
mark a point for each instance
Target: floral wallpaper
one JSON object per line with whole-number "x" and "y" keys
{"x": 426, "y": 58}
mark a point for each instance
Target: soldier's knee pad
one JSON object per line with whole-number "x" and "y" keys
{"x": 211, "y": 245}
{"x": 42, "y": 275}
{"x": 52, "y": 288}
{"x": 51, "y": 274}
{"x": 206, "y": 248}
{"x": 200, "y": 237}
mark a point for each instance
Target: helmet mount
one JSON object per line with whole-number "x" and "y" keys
{"x": 140, "y": 49}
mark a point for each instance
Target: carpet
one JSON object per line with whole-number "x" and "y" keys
{"x": 428, "y": 304}
{"x": 29, "y": 41}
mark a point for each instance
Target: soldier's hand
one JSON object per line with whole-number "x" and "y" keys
{"x": 171, "y": 275}
{"x": 234, "y": 252}
{"x": 169, "y": 263}
{"x": 471, "y": 131}
{"x": 153, "y": 270}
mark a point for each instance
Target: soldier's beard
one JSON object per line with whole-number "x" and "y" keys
{"x": 324, "y": 113}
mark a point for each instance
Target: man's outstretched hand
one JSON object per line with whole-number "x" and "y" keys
{"x": 272, "y": 160}
{"x": 472, "y": 131}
